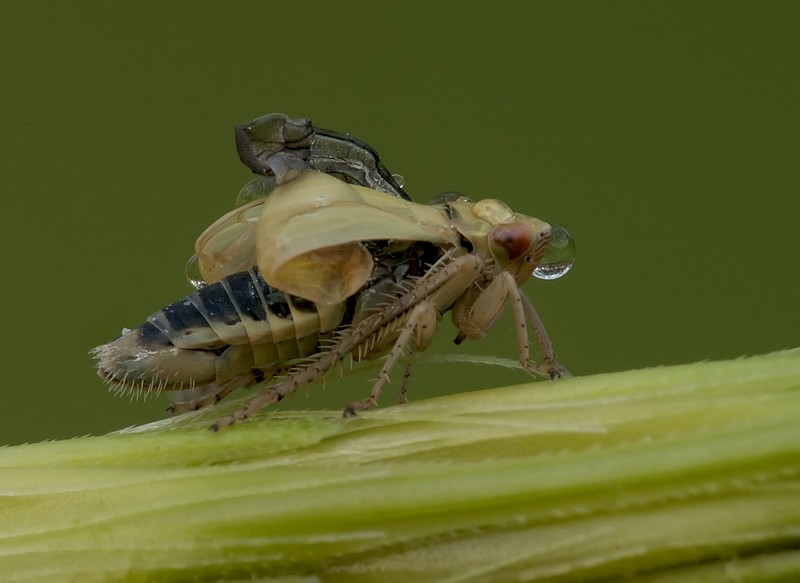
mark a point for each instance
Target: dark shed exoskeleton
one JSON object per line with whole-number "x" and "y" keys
{"x": 276, "y": 146}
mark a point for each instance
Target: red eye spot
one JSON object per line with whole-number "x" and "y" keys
{"x": 514, "y": 238}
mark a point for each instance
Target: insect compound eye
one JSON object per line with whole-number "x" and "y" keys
{"x": 510, "y": 241}
{"x": 258, "y": 188}
{"x": 559, "y": 256}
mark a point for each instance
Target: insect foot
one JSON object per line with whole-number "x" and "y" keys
{"x": 360, "y": 405}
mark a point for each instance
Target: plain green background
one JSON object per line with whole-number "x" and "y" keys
{"x": 664, "y": 136}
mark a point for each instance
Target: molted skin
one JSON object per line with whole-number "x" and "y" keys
{"x": 275, "y": 145}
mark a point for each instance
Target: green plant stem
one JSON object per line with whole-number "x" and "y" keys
{"x": 687, "y": 471}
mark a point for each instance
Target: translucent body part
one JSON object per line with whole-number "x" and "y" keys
{"x": 311, "y": 233}
{"x": 227, "y": 246}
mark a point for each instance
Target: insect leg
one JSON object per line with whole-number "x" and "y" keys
{"x": 214, "y": 394}
{"x": 523, "y": 310}
{"x": 479, "y": 313}
{"x": 402, "y": 394}
{"x": 550, "y": 366}
{"x": 417, "y": 334}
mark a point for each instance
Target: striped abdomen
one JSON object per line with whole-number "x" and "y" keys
{"x": 221, "y": 331}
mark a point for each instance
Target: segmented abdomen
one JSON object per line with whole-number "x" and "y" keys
{"x": 217, "y": 333}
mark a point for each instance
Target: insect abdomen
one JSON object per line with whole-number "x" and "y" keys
{"x": 217, "y": 333}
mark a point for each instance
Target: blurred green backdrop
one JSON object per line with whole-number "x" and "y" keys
{"x": 664, "y": 136}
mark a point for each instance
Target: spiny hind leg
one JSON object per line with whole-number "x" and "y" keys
{"x": 270, "y": 396}
{"x": 214, "y": 393}
{"x": 416, "y": 335}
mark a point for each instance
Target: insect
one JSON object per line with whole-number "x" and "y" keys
{"x": 332, "y": 261}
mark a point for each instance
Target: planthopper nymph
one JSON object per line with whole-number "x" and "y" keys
{"x": 324, "y": 258}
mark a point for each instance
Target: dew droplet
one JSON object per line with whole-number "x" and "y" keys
{"x": 399, "y": 179}
{"x": 559, "y": 257}
{"x": 259, "y": 187}
{"x": 193, "y": 273}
